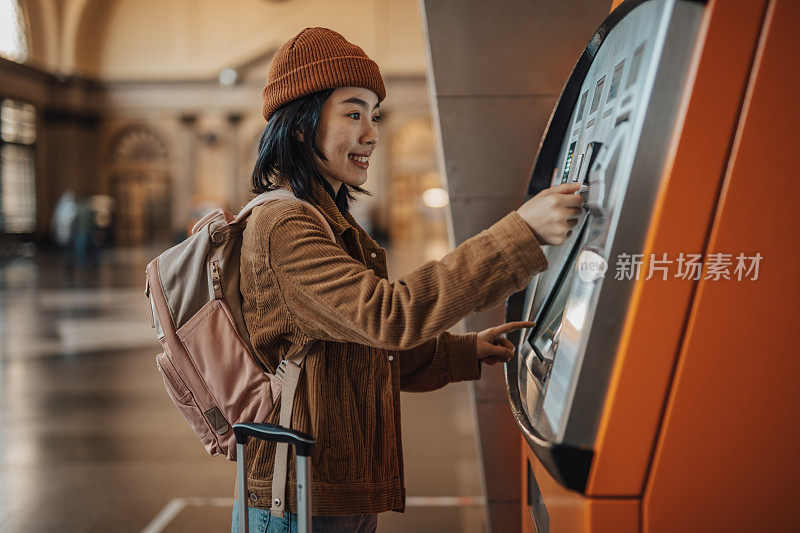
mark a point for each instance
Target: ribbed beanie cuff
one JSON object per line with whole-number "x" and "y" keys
{"x": 314, "y": 60}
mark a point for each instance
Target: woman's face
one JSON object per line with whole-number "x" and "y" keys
{"x": 347, "y": 134}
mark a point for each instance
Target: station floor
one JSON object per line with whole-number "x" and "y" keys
{"x": 89, "y": 440}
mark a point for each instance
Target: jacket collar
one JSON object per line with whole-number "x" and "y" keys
{"x": 323, "y": 200}
{"x": 340, "y": 198}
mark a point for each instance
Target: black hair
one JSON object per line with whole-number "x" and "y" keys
{"x": 281, "y": 152}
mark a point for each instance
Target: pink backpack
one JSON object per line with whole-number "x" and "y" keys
{"x": 207, "y": 364}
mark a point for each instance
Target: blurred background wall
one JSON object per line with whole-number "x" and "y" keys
{"x": 156, "y": 106}
{"x": 149, "y": 113}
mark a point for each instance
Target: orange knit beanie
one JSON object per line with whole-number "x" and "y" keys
{"x": 314, "y": 60}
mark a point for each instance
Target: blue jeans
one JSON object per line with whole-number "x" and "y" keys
{"x": 261, "y": 521}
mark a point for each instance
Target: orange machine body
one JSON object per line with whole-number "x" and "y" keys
{"x": 700, "y": 423}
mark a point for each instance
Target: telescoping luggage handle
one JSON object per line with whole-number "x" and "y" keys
{"x": 303, "y": 445}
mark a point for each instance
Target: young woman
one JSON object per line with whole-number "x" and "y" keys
{"x": 369, "y": 338}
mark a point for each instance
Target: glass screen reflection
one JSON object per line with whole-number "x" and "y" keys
{"x": 541, "y": 344}
{"x": 547, "y": 336}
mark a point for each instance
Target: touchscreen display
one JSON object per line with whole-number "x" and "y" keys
{"x": 545, "y": 336}
{"x": 546, "y": 340}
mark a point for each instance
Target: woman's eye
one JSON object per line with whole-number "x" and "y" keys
{"x": 354, "y": 116}
{"x": 377, "y": 118}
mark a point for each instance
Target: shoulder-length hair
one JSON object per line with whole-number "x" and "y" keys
{"x": 281, "y": 152}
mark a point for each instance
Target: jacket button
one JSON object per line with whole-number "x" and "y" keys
{"x": 391, "y": 358}
{"x": 373, "y": 255}
{"x": 253, "y": 497}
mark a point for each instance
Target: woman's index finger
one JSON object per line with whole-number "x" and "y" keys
{"x": 511, "y": 326}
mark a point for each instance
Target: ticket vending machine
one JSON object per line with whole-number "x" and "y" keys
{"x": 657, "y": 391}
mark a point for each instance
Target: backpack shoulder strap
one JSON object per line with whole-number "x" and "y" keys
{"x": 279, "y": 194}
{"x": 209, "y": 217}
{"x": 289, "y": 371}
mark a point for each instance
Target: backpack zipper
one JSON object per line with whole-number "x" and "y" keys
{"x": 215, "y": 280}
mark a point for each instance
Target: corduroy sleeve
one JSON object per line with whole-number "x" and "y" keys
{"x": 435, "y": 363}
{"x": 333, "y": 297}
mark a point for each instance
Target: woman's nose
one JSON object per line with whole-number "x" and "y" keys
{"x": 370, "y": 134}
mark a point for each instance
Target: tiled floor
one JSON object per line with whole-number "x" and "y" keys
{"x": 91, "y": 442}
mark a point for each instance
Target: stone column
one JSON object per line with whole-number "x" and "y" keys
{"x": 496, "y": 70}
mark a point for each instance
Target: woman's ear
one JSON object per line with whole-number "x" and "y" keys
{"x": 299, "y": 135}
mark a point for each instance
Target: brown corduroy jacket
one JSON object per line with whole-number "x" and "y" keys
{"x": 371, "y": 339}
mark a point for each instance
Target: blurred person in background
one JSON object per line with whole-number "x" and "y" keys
{"x": 62, "y": 225}
{"x": 84, "y": 250}
{"x": 63, "y": 215}
{"x": 103, "y": 208}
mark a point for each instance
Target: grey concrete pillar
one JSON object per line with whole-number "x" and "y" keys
{"x": 495, "y": 72}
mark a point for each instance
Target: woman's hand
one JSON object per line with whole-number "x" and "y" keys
{"x": 493, "y": 347}
{"x": 552, "y": 213}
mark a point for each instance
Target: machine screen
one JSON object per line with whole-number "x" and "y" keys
{"x": 544, "y": 352}
{"x": 545, "y": 336}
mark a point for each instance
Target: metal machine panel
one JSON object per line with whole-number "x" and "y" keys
{"x": 610, "y": 131}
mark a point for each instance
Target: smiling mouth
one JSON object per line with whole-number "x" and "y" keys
{"x": 361, "y": 161}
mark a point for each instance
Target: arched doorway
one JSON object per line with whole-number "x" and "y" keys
{"x": 140, "y": 185}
